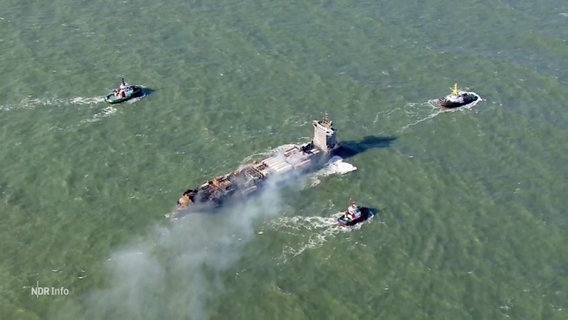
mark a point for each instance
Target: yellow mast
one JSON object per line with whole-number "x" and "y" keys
{"x": 455, "y": 92}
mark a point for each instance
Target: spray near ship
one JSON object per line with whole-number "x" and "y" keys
{"x": 251, "y": 177}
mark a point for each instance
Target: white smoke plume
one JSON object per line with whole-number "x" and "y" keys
{"x": 176, "y": 271}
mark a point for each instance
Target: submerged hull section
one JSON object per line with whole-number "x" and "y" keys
{"x": 251, "y": 177}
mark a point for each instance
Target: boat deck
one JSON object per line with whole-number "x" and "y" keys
{"x": 250, "y": 177}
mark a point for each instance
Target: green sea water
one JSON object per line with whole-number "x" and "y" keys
{"x": 471, "y": 205}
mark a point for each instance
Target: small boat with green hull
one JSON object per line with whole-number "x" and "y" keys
{"x": 123, "y": 93}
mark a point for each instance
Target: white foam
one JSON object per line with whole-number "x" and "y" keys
{"x": 317, "y": 230}
{"x": 33, "y": 103}
{"x": 435, "y": 111}
{"x": 335, "y": 165}
{"x": 134, "y": 100}
{"x": 106, "y": 112}
{"x": 87, "y": 101}
{"x": 428, "y": 117}
{"x": 305, "y": 223}
{"x": 266, "y": 153}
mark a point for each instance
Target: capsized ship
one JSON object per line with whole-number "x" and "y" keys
{"x": 250, "y": 177}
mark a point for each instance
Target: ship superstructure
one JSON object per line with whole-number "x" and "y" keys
{"x": 250, "y": 177}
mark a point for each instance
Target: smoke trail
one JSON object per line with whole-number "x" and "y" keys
{"x": 178, "y": 270}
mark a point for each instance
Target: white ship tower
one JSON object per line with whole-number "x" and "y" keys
{"x": 324, "y": 135}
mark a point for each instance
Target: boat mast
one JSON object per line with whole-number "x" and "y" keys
{"x": 455, "y": 92}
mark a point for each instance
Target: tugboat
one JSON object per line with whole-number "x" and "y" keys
{"x": 457, "y": 98}
{"x": 354, "y": 214}
{"x": 123, "y": 92}
{"x": 250, "y": 178}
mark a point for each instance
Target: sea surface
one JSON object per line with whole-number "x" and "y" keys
{"x": 471, "y": 219}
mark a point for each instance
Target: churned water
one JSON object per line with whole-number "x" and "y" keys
{"x": 471, "y": 204}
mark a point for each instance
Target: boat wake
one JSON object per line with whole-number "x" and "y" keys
{"x": 419, "y": 112}
{"x": 415, "y": 110}
{"x": 314, "y": 231}
{"x": 135, "y": 99}
{"x": 266, "y": 153}
{"x": 106, "y": 112}
{"x": 309, "y": 232}
{"x": 335, "y": 165}
{"x": 33, "y": 103}
{"x": 86, "y": 101}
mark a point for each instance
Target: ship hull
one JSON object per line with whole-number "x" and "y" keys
{"x": 136, "y": 91}
{"x": 366, "y": 213}
{"x": 448, "y": 103}
{"x": 251, "y": 179}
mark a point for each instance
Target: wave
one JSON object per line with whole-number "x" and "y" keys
{"x": 188, "y": 259}
{"x": 313, "y": 232}
{"x": 335, "y": 165}
{"x": 417, "y": 110}
{"x": 106, "y": 112}
{"x": 86, "y": 101}
{"x": 33, "y": 103}
{"x": 268, "y": 152}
